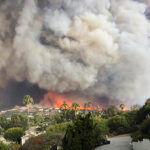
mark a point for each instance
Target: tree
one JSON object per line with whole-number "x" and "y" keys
{"x": 131, "y": 117}
{"x": 144, "y": 112}
{"x": 82, "y": 135}
{"x": 27, "y": 100}
{"x": 85, "y": 106}
{"x": 18, "y": 120}
{"x": 135, "y": 107}
{"x": 122, "y": 106}
{"x": 143, "y": 132}
{"x": 38, "y": 119}
{"x": 118, "y": 125}
{"x": 4, "y": 122}
{"x": 64, "y": 105}
{"x": 89, "y": 104}
{"x": 75, "y": 106}
{"x": 112, "y": 110}
{"x": 14, "y": 134}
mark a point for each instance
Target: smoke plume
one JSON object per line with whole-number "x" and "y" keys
{"x": 94, "y": 47}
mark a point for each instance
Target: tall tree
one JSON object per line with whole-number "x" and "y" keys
{"x": 85, "y": 106}
{"x": 122, "y": 106}
{"x": 112, "y": 110}
{"x": 64, "y": 105}
{"x": 28, "y": 100}
{"x": 75, "y": 106}
{"x": 89, "y": 104}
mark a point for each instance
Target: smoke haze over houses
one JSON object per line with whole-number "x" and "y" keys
{"x": 94, "y": 48}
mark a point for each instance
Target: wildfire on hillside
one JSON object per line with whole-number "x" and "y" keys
{"x": 53, "y": 99}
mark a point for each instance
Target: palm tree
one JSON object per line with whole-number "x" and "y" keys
{"x": 85, "y": 106}
{"x": 122, "y": 106}
{"x": 64, "y": 105}
{"x": 75, "y": 106}
{"x": 89, "y": 104}
{"x": 28, "y": 100}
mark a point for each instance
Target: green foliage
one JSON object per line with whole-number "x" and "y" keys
{"x": 38, "y": 119}
{"x": 1, "y": 130}
{"x": 14, "y": 134}
{"x": 64, "y": 105}
{"x": 58, "y": 118}
{"x": 3, "y": 146}
{"x": 4, "y": 122}
{"x": 66, "y": 115}
{"x": 118, "y": 125}
{"x": 122, "y": 106}
{"x": 18, "y": 120}
{"x": 131, "y": 117}
{"x": 101, "y": 130}
{"x": 75, "y": 106}
{"x": 112, "y": 111}
{"x": 143, "y": 132}
{"x": 144, "y": 111}
{"x": 102, "y": 125}
{"x": 82, "y": 135}
{"x": 28, "y": 100}
{"x": 58, "y": 128}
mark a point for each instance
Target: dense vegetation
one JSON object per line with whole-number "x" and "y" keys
{"x": 143, "y": 119}
{"x": 72, "y": 128}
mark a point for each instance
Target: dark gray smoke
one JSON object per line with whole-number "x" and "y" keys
{"x": 96, "y": 47}
{"x": 15, "y": 91}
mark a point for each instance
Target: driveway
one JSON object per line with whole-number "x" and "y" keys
{"x": 118, "y": 143}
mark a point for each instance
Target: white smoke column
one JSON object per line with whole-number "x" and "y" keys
{"x": 92, "y": 46}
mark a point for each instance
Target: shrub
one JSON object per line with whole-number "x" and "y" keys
{"x": 58, "y": 128}
{"x": 4, "y": 122}
{"x": 18, "y": 120}
{"x": 14, "y": 134}
{"x": 143, "y": 132}
{"x": 3, "y": 146}
{"x": 82, "y": 135}
{"x": 118, "y": 125}
{"x": 131, "y": 117}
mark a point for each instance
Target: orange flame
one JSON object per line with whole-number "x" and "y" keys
{"x": 16, "y": 106}
{"x": 53, "y": 99}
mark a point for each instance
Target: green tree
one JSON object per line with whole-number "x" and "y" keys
{"x": 28, "y": 100}
{"x": 112, "y": 110}
{"x": 14, "y": 134}
{"x": 18, "y": 120}
{"x": 135, "y": 107}
{"x": 38, "y": 119}
{"x": 143, "y": 132}
{"x": 131, "y": 117}
{"x": 64, "y": 105}
{"x": 89, "y": 104}
{"x": 85, "y": 106}
{"x": 122, "y": 106}
{"x": 82, "y": 135}
{"x": 4, "y": 122}
{"x": 144, "y": 112}
{"x": 75, "y": 106}
{"x": 118, "y": 125}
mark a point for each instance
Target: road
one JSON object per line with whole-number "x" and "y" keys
{"x": 117, "y": 143}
